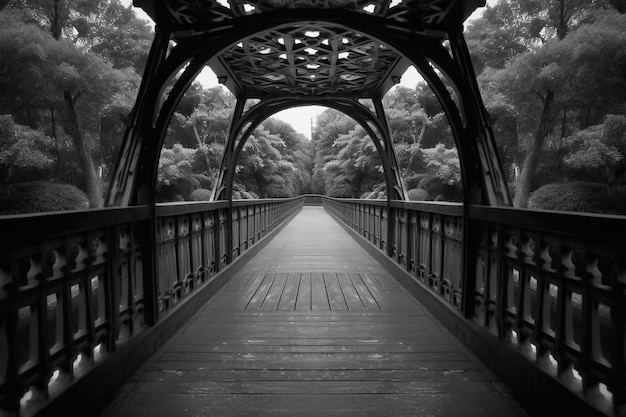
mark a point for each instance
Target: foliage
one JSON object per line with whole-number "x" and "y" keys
{"x": 42, "y": 196}
{"x": 348, "y": 164}
{"x": 578, "y": 196}
{"x": 261, "y": 166}
{"x": 69, "y": 71}
{"x": 418, "y": 194}
{"x": 24, "y": 153}
{"x": 567, "y": 79}
{"x": 175, "y": 180}
{"x": 200, "y": 194}
{"x": 597, "y": 151}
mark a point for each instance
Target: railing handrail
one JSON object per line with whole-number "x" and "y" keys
{"x": 605, "y": 227}
{"x": 33, "y": 226}
{"x": 185, "y": 207}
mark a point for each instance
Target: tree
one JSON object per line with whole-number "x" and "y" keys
{"x": 598, "y": 152}
{"x": 60, "y": 76}
{"x": 24, "y": 153}
{"x": 261, "y": 166}
{"x": 175, "y": 179}
{"x": 576, "y": 78}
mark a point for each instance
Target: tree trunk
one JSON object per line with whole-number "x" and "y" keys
{"x": 420, "y": 138}
{"x": 202, "y": 148}
{"x": 531, "y": 161}
{"x": 56, "y": 25}
{"x": 562, "y": 20}
{"x": 57, "y": 150}
{"x": 85, "y": 160}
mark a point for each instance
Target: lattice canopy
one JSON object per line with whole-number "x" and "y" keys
{"x": 310, "y": 58}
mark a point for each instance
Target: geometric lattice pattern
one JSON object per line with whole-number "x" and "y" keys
{"x": 193, "y": 12}
{"x": 309, "y": 60}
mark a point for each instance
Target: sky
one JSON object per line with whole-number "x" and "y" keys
{"x": 301, "y": 118}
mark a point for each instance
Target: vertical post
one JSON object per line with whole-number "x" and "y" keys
{"x": 223, "y": 188}
{"x": 468, "y": 278}
{"x": 147, "y": 229}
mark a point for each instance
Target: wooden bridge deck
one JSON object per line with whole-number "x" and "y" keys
{"x": 313, "y": 327}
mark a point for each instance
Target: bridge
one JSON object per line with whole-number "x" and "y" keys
{"x": 311, "y": 305}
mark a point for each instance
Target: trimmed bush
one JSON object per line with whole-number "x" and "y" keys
{"x": 578, "y": 196}
{"x": 418, "y": 194}
{"x": 35, "y": 197}
{"x": 201, "y": 194}
{"x": 179, "y": 189}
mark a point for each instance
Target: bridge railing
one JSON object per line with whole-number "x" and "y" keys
{"x": 76, "y": 288}
{"x": 549, "y": 287}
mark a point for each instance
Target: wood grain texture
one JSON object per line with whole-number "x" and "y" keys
{"x": 336, "y": 337}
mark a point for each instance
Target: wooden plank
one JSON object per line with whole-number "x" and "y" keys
{"x": 319, "y": 297}
{"x": 295, "y": 363}
{"x": 276, "y": 291}
{"x": 251, "y": 288}
{"x": 469, "y": 404}
{"x": 349, "y": 293}
{"x": 303, "y": 301}
{"x": 261, "y": 292}
{"x": 368, "y": 300}
{"x": 386, "y": 281}
{"x": 317, "y": 387}
{"x": 354, "y": 375}
{"x": 288, "y": 298}
{"x": 381, "y": 296}
{"x": 277, "y": 346}
{"x": 238, "y": 282}
{"x": 335, "y": 295}
{"x": 374, "y": 315}
{"x": 324, "y": 360}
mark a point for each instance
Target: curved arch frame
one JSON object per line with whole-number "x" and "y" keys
{"x": 256, "y": 115}
{"x": 134, "y": 177}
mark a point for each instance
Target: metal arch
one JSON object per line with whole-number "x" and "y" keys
{"x": 486, "y": 141}
{"x": 390, "y": 150}
{"x": 122, "y": 186}
{"x": 361, "y": 114}
{"x": 134, "y": 176}
{"x": 229, "y": 151}
{"x": 222, "y": 36}
{"x": 480, "y": 165}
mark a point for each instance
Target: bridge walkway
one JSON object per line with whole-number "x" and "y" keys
{"x": 313, "y": 326}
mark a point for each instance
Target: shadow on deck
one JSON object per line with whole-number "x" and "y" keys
{"x": 313, "y": 326}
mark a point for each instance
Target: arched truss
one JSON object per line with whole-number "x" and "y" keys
{"x": 374, "y": 125}
{"x": 420, "y": 41}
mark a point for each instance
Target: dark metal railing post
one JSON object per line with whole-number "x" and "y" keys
{"x": 391, "y": 217}
{"x": 468, "y": 277}
{"x": 149, "y": 243}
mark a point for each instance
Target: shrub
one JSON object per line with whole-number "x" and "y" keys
{"x": 178, "y": 189}
{"x": 35, "y": 197}
{"x": 418, "y": 194}
{"x": 578, "y": 196}
{"x": 203, "y": 180}
{"x": 201, "y": 194}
